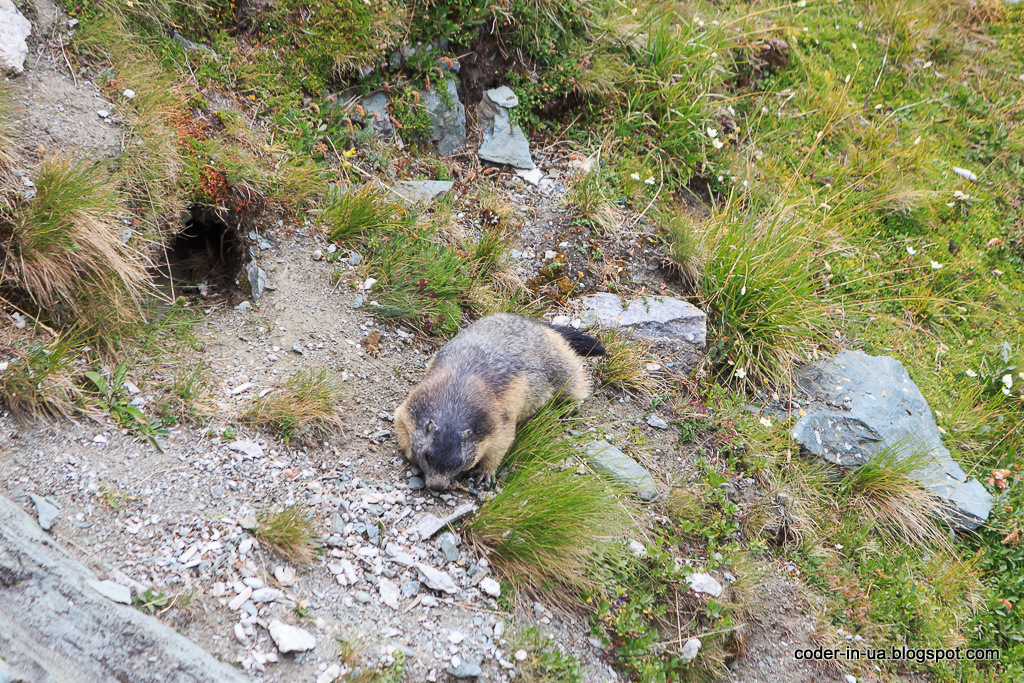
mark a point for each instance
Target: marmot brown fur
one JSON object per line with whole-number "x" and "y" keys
{"x": 493, "y": 375}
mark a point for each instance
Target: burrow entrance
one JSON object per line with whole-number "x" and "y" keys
{"x": 207, "y": 253}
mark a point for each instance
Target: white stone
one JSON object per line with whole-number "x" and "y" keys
{"x": 690, "y": 649}
{"x": 390, "y": 594}
{"x": 330, "y": 674}
{"x": 14, "y": 29}
{"x": 267, "y": 595}
{"x": 290, "y": 638}
{"x": 491, "y": 587}
{"x": 285, "y": 575}
{"x": 455, "y": 637}
{"x": 437, "y": 580}
{"x": 520, "y": 655}
{"x": 704, "y": 583}
{"x": 239, "y": 600}
{"x": 129, "y": 93}
{"x": 637, "y": 548}
{"x": 253, "y": 450}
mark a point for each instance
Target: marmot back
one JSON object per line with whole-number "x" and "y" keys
{"x": 493, "y": 375}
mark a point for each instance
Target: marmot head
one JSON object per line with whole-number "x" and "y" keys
{"x": 442, "y": 452}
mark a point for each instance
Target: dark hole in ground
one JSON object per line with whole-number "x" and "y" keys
{"x": 207, "y": 253}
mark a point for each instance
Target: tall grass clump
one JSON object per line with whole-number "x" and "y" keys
{"x": 759, "y": 287}
{"x": 39, "y": 378}
{"x": 550, "y": 525}
{"x": 289, "y": 531}
{"x": 885, "y": 491}
{"x": 306, "y": 406}
{"x": 61, "y": 251}
{"x": 354, "y": 213}
{"x": 624, "y": 364}
{"x": 674, "y": 67}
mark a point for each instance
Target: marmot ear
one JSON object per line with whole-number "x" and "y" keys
{"x": 431, "y": 427}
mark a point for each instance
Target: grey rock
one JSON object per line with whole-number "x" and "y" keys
{"x": 410, "y": 589}
{"x": 447, "y": 117}
{"x": 43, "y": 639}
{"x": 290, "y": 638}
{"x": 257, "y": 279}
{"x": 690, "y": 649}
{"x": 362, "y": 596}
{"x": 375, "y": 107}
{"x": 14, "y": 29}
{"x": 657, "y": 422}
{"x": 677, "y": 328}
{"x": 8, "y": 675}
{"x": 114, "y": 591}
{"x": 437, "y": 580}
{"x": 861, "y": 406}
{"x": 416, "y": 483}
{"x": 190, "y": 46}
{"x": 610, "y": 461}
{"x": 249, "y": 448}
{"x": 467, "y": 668}
{"x": 503, "y": 142}
{"x": 268, "y": 595}
{"x": 428, "y": 524}
{"x": 46, "y": 511}
{"x": 704, "y": 583}
{"x": 657, "y": 317}
{"x": 449, "y": 544}
{"x": 420, "y": 191}
{"x": 353, "y": 259}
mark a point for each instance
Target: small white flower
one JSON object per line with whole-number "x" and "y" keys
{"x": 712, "y": 133}
{"x": 911, "y": 250}
{"x": 936, "y": 265}
{"x": 766, "y": 422}
{"x": 719, "y": 178}
{"x": 634, "y": 176}
{"x": 970, "y": 373}
{"x": 1006, "y": 392}
{"x": 997, "y": 272}
{"x": 802, "y": 3}
{"x": 917, "y": 140}
{"x": 854, "y": 45}
{"x": 744, "y": 183}
{"x": 650, "y": 180}
{"x": 839, "y": 546}
{"x": 1008, "y": 380}
{"x": 718, "y": 143}
{"x": 847, "y": 79}
{"x": 740, "y": 372}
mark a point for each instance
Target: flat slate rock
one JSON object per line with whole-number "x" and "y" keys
{"x": 421, "y": 191}
{"x": 610, "y": 461}
{"x": 99, "y": 640}
{"x": 502, "y": 141}
{"x": 677, "y": 328}
{"x": 862, "y": 406}
{"x": 658, "y": 317}
{"x": 447, "y": 117}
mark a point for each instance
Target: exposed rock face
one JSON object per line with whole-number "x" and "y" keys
{"x": 503, "y": 143}
{"x": 447, "y": 117}
{"x": 375, "y": 108}
{"x": 619, "y": 467}
{"x": 864, "y": 405}
{"x": 42, "y": 639}
{"x": 421, "y": 191}
{"x": 677, "y": 327}
{"x": 14, "y": 29}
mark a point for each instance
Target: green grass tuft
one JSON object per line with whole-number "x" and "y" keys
{"x": 289, "y": 531}
{"x": 306, "y": 406}
{"x": 551, "y": 524}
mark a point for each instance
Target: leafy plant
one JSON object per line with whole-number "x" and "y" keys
{"x": 113, "y": 397}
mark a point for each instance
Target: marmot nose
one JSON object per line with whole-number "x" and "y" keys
{"x": 437, "y": 483}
